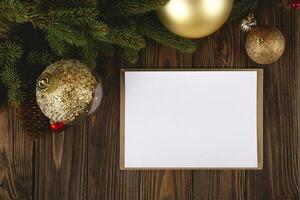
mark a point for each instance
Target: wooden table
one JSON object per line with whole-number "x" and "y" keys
{"x": 83, "y": 162}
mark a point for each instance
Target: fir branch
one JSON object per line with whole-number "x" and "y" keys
{"x": 73, "y": 26}
{"x": 59, "y": 35}
{"x": 98, "y": 30}
{"x": 4, "y": 30}
{"x": 74, "y": 13}
{"x": 75, "y": 16}
{"x": 10, "y": 52}
{"x": 106, "y": 48}
{"x": 89, "y": 54}
{"x": 67, "y": 34}
{"x": 84, "y": 19}
{"x": 130, "y": 55}
{"x": 125, "y": 37}
{"x": 16, "y": 11}
{"x": 57, "y": 46}
{"x": 10, "y": 55}
{"x": 41, "y": 59}
{"x": 242, "y": 7}
{"x": 46, "y": 4}
{"x": 133, "y": 7}
{"x": 12, "y": 79}
{"x": 152, "y": 29}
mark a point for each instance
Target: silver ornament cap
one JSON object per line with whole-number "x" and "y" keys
{"x": 248, "y": 23}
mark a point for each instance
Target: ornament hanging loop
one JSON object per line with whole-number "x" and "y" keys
{"x": 43, "y": 82}
{"x": 260, "y": 40}
{"x": 248, "y": 23}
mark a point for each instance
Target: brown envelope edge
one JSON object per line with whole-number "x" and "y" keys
{"x": 259, "y": 120}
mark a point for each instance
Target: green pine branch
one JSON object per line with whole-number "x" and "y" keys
{"x": 81, "y": 17}
{"x": 242, "y": 8}
{"x": 40, "y": 59}
{"x": 133, "y": 7}
{"x": 125, "y": 37}
{"x": 16, "y": 11}
{"x": 89, "y": 54}
{"x": 75, "y": 27}
{"x": 4, "y": 30}
{"x": 10, "y": 55}
{"x": 151, "y": 28}
{"x": 130, "y": 55}
{"x": 106, "y": 48}
{"x": 67, "y": 34}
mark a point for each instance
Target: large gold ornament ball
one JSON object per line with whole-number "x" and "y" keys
{"x": 66, "y": 90}
{"x": 195, "y": 18}
{"x": 265, "y": 44}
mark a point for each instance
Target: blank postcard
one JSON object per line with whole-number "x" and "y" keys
{"x": 191, "y": 119}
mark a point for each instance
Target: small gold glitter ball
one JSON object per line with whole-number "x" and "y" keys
{"x": 265, "y": 44}
{"x": 67, "y": 90}
{"x": 195, "y": 18}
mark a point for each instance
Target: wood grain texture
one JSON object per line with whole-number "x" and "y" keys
{"x": 16, "y": 153}
{"x": 83, "y": 162}
{"x": 60, "y": 165}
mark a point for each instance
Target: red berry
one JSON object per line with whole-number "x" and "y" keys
{"x": 295, "y": 4}
{"x": 57, "y": 127}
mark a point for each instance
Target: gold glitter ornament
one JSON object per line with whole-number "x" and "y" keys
{"x": 195, "y": 18}
{"x": 68, "y": 90}
{"x": 265, "y": 44}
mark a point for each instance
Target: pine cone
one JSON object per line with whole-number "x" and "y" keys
{"x": 33, "y": 121}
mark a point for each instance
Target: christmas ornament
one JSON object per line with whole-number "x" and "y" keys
{"x": 195, "y": 18}
{"x": 264, "y": 44}
{"x": 57, "y": 127}
{"x": 66, "y": 91}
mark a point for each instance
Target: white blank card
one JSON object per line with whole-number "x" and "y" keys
{"x": 191, "y": 119}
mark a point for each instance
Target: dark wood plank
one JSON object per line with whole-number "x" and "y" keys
{"x": 280, "y": 177}
{"x": 61, "y": 165}
{"x": 105, "y": 180}
{"x": 296, "y": 113}
{"x": 16, "y": 153}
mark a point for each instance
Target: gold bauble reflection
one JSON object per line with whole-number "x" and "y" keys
{"x": 195, "y": 18}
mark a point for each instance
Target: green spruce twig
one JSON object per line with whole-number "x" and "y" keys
{"x": 153, "y": 29}
{"x": 133, "y": 7}
{"x": 10, "y": 55}
{"x": 242, "y": 8}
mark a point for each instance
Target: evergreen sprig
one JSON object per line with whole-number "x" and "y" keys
{"x": 242, "y": 8}
{"x": 10, "y": 55}
{"x": 125, "y": 37}
{"x": 16, "y": 12}
{"x": 131, "y": 55}
{"x": 133, "y": 7}
{"x": 56, "y": 29}
{"x": 41, "y": 59}
{"x": 153, "y": 29}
